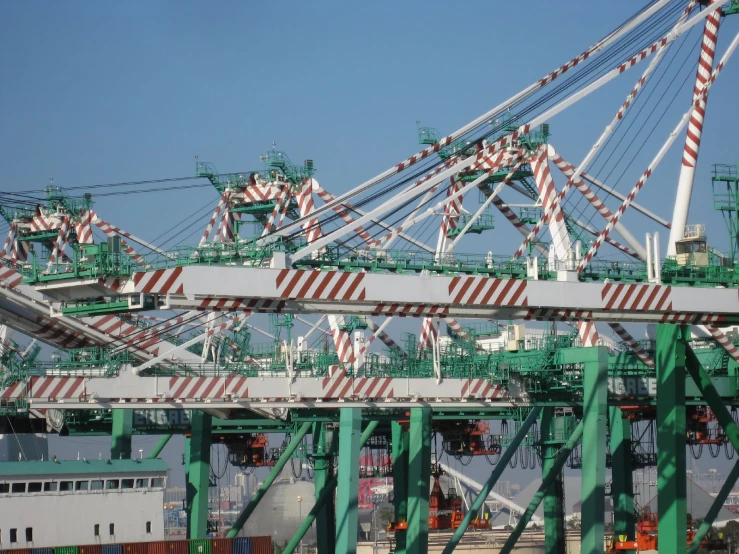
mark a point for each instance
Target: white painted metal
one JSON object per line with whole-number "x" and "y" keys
{"x": 493, "y": 496}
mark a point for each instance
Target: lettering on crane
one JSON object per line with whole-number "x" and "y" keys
{"x": 632, "y": 386}
{"x": 161, "y": 419}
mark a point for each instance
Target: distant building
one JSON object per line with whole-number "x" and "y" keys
{"x": 65, "y": 503}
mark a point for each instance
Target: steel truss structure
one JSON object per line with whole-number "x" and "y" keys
{"x": 140, "y": 328}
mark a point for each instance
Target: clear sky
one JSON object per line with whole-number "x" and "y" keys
{"x": 106, "y": 92}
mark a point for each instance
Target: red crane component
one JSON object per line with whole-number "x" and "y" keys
{"x": 646, "y": 534}
{"x": 703, "y": 427}
{"x": 469, "y": 438}
{"x": 251, "y": 450}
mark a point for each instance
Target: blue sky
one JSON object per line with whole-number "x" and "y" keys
{"x": 108, "y": 92}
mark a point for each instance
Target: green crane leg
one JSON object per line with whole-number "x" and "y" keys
{"x": 400, "y": 444}
{"x": 715, "y": 508}
{"x": 328, "y": 491}
{"x": 595, "y": 420}
{"x": 159, "y": 447}
{"x": 622, "y": 487}
{"x": 546, "y": 482}
{"x": 712, "y": 397}
{"x": 554, "y": 511}
{"x": 274, "y": 472}
{"x": 347, "y": 512}
{"x": 671, "y": 429}
{"x": 120, "y": 447}
{"x": 198, "y": 475}
{"x": 505, "y": 457}
{"x": 419, "y": 464}
{"x": 322, "y": 475}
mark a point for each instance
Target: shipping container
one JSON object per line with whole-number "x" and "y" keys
{"x": 67, "y": 550}
{"x": 221, "y": 546}
{"x": 20, "y": 551}
{"x": 41, "y": 551}
{"x": 133, "y": 548}
{"x": 261, "y": 545}
{"x": 241, "y": 545}
{"x": 91, "y": 549}
{"x": 200, "y": 546}
{"x": 112, "y": 549}
{"x": 178, "y": 547}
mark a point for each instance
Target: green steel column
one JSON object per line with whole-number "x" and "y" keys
{"x": 715, "y": 508}
{"x": 274, "y": 472}
{"x": 552, "y": 439}
{"x": 198, "y": 475}
{"x": 712, "y": 398}
{"x": 419, "y": 464}
{"x": 622, "y": 485}
{"x": 671, "y": 429}
{"x": 322, "y": 474}
{"x": 546, "y": 482}
{"x": 490, "y": 483}
{"x": 595, "y": 420}
{"x": 159, "y": 447}
{"x": 347, "y": 497}
{"x": 120, "y": 447}
{"x": 328, "y": 491}
{"x": 400, "y": 482}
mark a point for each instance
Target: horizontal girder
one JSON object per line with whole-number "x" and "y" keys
{"x": 332, "y": 292}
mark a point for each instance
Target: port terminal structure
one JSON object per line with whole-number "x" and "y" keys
{"x": 153, "y": 340}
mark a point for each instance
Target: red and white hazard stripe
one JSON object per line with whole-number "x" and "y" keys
{"x": 410, "y": 310}
{"x": 429, "y": 333}
{"x": 481, "y": 388}
{"x": 384, "y": 337}
{"x": 552, "y": 314}
{"x": 9, "y": 277}
{"x": 56, "y": 387}
{"x": 16, "y": 390}
{"x": 320, "y": 285}
{"x": 340, "y": 385}
{"x": 724, "y": 342}
{"x": 213, "y": 218}
{"x": 634, "y": 297}
{"x": 488, "y": 291}
{"x": 306, "y": 207}
{"x": 705, "y": 66}
{"x": 83, "y": 227}
{"x": 160, "y": 281}
{"x": 457, "y": 329}
{"x": 633, "y": 345}
{"x": 342, "y": 210}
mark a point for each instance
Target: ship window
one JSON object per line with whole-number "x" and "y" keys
{"x": 97, "y": 529}
{"x": 112, "y": 528}
{"x": 4, "y": 488}
{"x": 14, "y": 535}
{"x": 157, "y": 482}
{"x": 34, "y": 487}
{"x": 29, "y": 534}
{"x": 126, "y": 483}
{"x": 142, "y": 483}
{"x": 112, "y": 484}
{"x": 18, "y": 487}
{"x": 148, "y": 527}
{"x": 50, "y": 487}
{"x": 81, "y": 485}
{"x": 65, "y": 486}
{"x": 96, "y": 485}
